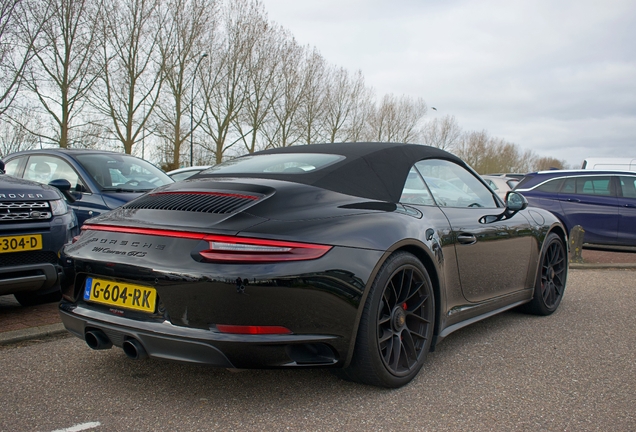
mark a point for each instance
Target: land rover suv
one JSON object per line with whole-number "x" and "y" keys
{"x": 35, "y": 222}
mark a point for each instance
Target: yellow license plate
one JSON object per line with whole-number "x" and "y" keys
{"x": 120, "y": 294}
{"x": 21, "y": 243}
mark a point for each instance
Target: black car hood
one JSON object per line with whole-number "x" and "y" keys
{"x": 17, "y": 189}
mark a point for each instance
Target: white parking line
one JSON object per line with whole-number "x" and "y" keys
{"x": 80, "y": 427}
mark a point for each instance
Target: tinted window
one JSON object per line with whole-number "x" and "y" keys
{"x": 628, "y": 186}
{"x": 601, "y": 186}
{"x": 415, "y": 190}
{"x": 283, "y": 163}
{"x": 454, "y": 186}
{"x": 551, "y": 186}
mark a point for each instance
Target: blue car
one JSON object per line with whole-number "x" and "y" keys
{"x": 602, "y": 202}
{"x": 100, "y": 180}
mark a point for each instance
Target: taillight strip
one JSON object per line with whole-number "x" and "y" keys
{"x": 298, "y": 252}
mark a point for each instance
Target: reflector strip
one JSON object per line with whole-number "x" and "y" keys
{"x": 255, "y": 330}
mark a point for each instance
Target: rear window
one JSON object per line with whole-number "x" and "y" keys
{"x": 282, "y": 163}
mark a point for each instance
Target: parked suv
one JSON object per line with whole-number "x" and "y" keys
{"x": 35, "y": 222}
{"x": 100, "y": 180}
{"x": 602, "y": 202}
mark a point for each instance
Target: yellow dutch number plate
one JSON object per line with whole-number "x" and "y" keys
{"x": 120, "y": 294}
{"x": 21, "y": 243}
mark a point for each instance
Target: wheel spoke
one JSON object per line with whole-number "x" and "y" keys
{"x": 418, "y": 317}
{"x": 410, "y": 351}
{"x": 386, "y": 335}
{"x": 395, "y": 352}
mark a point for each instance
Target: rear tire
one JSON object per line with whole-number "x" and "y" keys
{"x": 551, "y": 278}
{"x": 35, "y": 298}
{"x": 396, "y": 327}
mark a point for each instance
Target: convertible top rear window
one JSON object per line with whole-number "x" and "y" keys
{"x": 285, "y": 163}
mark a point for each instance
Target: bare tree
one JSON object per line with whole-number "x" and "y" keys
{"x": 64, "y": 70}
{"x": 187, "y": 25}
{"x": 131, "y": 79}
{"x": 442, "y": 133}
{"x": 261, "y": 85}
{"x": 312, "y": 106}
{"x": 225, "y": 87}
{"x": 15, "y": 51}
{"x": 546, "y": 163}
{"x": 342, "y": 105}
{"x": 282, "y": 130}
{"x": 396, "y": 119}
{"x": 14, "y": 137}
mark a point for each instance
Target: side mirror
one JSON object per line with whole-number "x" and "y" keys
{"x": 515, "y": 201}
{"x": 64, "y": 186}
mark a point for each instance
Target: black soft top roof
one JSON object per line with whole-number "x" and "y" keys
{"x": 375, "y": 171}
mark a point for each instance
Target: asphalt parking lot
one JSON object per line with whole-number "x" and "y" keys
{"x": 572, "y": 371}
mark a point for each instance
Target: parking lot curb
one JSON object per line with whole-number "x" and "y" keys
{"x": 598, "y": 266}
{"x": 15, "y": 336}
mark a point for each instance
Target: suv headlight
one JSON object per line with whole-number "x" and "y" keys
{"x": 58, "y": 207}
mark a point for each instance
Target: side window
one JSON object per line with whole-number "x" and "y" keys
{"x": 415, "y": 190}
{"x": 596, "y": 186}
{"x": 569, "y": 186}
{"x": 628, "y": 186}
{"x": 492, "y": 184}
{"x": 600, "y": 186}
{"x": 12, "y": 166}
{"x": 453, "y": 186}
{"x": 551, "y": 186}
{"x": 44, "y": 169}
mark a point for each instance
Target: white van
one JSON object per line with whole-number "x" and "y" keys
{"x": 622, "y": 164}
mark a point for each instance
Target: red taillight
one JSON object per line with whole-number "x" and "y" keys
{"x": 233, "y": 249}
{"x": 255, "y": 330}
{"x": 237, "y": 249}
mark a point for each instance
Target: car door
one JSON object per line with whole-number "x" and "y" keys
{"x": 590, "y": 201}
{"x": 86, "y": 204}
{"x": 627, "y": 210}
{"x": 493, "y": 258}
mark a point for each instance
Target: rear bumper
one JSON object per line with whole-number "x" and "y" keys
{"x": 32, "y": 277}
{"x": 163, "y": 340}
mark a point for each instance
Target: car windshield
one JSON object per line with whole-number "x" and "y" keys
{"x": 283, "y": 163}
{"x": 123, "y": 173}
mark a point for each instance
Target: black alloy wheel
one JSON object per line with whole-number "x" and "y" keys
{"x": 396, "y": 327}
{"x": 403, "y": 321}
{"x": 551, "y": 278}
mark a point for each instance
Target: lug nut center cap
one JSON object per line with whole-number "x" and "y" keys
{"x": 399, "y": 318}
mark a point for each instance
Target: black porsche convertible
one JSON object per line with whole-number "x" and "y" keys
{"x": 356, "y": 256}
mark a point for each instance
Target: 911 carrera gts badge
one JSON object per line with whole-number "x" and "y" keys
{"x": 109, "y": 246}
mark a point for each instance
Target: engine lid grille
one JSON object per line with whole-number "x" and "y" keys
{"x": 201, "y": 202}
{"x": 11, "y": 211}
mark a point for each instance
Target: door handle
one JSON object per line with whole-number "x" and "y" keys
{"x": 465, "y": 238}
{"x": 573, "y": 200}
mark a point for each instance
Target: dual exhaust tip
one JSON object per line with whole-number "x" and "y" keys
{"x": 97, "y": 340}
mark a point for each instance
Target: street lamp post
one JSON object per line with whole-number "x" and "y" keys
{"x": 194, "y": 76}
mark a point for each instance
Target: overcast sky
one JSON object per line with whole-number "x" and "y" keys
{"x": 554, "y": 76}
